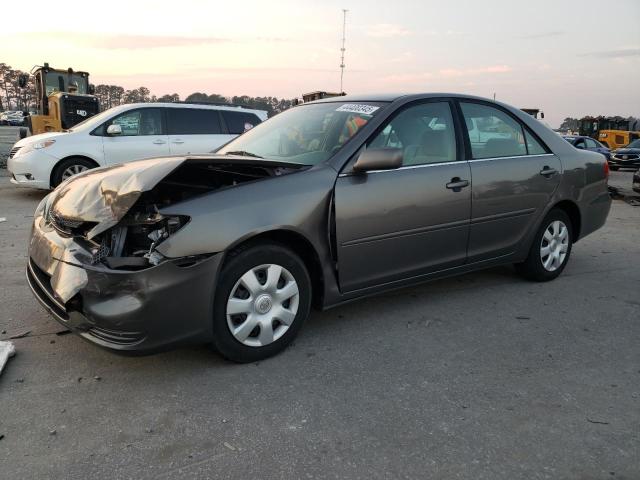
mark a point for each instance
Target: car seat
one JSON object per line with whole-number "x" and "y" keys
{"x": 435, "y": 146}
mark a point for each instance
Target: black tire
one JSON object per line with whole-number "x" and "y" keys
{"x": 236, "y": 265}
{"x": 58, "y": 171}
{"x": 532, "y": 268}
{"x": 613, "y": 169}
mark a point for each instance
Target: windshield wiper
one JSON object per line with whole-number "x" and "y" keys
{"x": 243, "y": 153}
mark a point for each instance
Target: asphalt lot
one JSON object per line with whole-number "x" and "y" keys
{"x": 8, "y": 136}
{"x": 484, "y": 376}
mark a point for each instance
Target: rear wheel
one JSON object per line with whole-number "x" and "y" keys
{"x": 68, "y": 168}
{"x": 263, "y": 298}
{"x": 550, "y": 250}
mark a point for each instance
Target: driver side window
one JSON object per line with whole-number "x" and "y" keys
{"x": 145, "y": 121}
{"x": 424, "y": 132}
{"x": 580, "y": 143}
{"x": 590, "y": 143}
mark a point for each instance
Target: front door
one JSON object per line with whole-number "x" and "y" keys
{"x": 395, "y": 224}
{"x": 514, "y": 176}
{"x": 143, "y": 136}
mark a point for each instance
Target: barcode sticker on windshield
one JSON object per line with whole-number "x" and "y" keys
{"x": 357, "y": 108}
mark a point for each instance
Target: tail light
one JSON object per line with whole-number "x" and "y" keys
{"x": 606, "y": 169}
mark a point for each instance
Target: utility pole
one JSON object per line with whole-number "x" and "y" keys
{"x": 344, "y": 29}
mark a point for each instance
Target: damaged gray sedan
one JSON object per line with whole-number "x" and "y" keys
{"x": 322, "y": 204}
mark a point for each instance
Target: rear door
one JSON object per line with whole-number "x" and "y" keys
{"x": 395, "y": 224}
{"x": 514, "y": 176}
{"x": 193, "y": 131}
{"x": 143, "y": 136}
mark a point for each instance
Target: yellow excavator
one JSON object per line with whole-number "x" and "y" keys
{"x": 613, "y": 132}
{"x": 64, "y": 98}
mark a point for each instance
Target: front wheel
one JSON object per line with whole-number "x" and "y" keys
{"x": 263, "y": 298}
{"x": 68, "y": 168}
{"x": 550, "y": 250}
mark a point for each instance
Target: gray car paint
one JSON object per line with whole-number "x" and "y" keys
{"x": 391, "y": 216}
{"x": 306, "y": 206}
{"x": 300, "y": 203}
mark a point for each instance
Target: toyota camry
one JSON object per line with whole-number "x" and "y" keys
{"x": 322, "y": 204}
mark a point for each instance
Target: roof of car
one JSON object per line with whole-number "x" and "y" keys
{"x": 390, "y": 97}
{"x": 219, "y": 106}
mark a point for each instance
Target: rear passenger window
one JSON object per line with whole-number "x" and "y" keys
{"x": 239, "y": 122}
{"x": 533, "y": 146}
{"x": 492, "y": 133}
{"x": 193, "y": 121}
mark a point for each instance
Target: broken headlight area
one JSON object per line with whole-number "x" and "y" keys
{"x": 114, "y": 215}
{"x": 131, "y": 244}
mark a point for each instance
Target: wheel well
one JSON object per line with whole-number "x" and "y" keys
{"x": 55, "y": 167}
{"x": 303, "y": 248}
{"x": 573, "y": 211}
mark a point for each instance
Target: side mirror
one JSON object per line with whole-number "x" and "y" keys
{"x": 92, "y": 89}
{"x": 114, "y": 129}
{"x": 580, "y": 146}
{"x": 22, "y": 80}
{"x": 378, "y": 159}
{"x": 541, "y": 114}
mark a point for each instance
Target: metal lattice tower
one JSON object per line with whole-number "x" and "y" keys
{"x": 344, "y": 29}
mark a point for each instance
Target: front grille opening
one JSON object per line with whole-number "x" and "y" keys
{"x": 69, "y": 226}
{"x": 13, "y": 151}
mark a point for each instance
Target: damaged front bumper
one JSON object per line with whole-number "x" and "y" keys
{"x": 143, "y": 310}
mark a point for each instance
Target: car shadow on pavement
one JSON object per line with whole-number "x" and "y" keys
{"x": 319, "y": 331}
{"x": 403, "y": 302}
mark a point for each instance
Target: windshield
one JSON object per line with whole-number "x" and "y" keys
{"x": 306, "y": 134}
{"x": 634, "y": 144}
{"x": 59, "y": 82}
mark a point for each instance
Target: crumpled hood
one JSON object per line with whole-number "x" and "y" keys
{"x": 105, "y": 195}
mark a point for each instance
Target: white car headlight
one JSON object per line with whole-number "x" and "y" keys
{"x": 36, "y": 146}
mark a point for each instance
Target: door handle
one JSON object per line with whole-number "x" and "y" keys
{"x": 548, "y": 171}
{"x": 456, "y": 184}
{"x": 177, "y": 140}
{"x": 159, "y": 142}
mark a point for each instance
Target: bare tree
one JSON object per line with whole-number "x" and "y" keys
{"x": 7, "y": 76}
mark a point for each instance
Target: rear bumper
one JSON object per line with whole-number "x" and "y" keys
{"x": 595, "y": 214}
{"x": 142, "y": 311}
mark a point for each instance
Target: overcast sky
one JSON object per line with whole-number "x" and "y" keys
{"x": 568, "y": 58}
